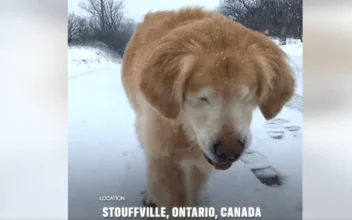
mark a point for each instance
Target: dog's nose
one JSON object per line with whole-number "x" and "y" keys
{"x": 230, "y": 152}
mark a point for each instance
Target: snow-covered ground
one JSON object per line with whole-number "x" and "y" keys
{"x": 87, "y": 59}
{"x": 105, "y": 158}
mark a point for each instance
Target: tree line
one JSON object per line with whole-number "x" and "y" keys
{"x": 105, "y": 22}
{"x": 276, "y": 18}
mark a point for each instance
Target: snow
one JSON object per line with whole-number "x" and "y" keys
{"x": 83, "y": 60}
{"x": 105, "y": 158}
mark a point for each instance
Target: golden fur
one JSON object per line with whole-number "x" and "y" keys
{"x": 194, "y": 78}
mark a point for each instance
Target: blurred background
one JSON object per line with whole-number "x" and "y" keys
{"x": 112, "y": 22}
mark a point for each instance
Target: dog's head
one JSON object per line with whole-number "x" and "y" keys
{"x": 214, "y": 91}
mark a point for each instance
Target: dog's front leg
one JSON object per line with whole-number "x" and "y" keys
{"x": 195, "y": 186}
{"x": 166, "y": 187}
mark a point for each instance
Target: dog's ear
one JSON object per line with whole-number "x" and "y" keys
{"x": 276, "y": 81}
{"x": 163, "y": 77}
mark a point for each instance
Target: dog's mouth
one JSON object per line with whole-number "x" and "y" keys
{"x": 219, "y": 166}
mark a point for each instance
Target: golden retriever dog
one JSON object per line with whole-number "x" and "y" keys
{"x": 193, "y": 78}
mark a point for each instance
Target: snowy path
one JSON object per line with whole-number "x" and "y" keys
{"x": 105, "y": 158}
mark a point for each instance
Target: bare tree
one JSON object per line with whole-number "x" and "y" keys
{"x": 295, "y": 7}
{"x": 246, "y": 12}
{"x": 72, "y": 26}
{"x": 300, "y": 33}
{"x": 102, "y": 6}
{"x": 84, "y": 30}
{"x": 104, "y": 25}
{"x": 279, "y": 18}
{"x": 107, "y": 13}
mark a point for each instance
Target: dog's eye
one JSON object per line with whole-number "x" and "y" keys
{"x": 204, "y": 99}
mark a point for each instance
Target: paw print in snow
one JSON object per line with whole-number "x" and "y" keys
{"x": 277, "y": 128}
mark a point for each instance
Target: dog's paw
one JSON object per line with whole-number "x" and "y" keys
{"x": 147, "y": 201}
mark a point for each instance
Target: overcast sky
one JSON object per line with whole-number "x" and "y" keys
{"x": 137, "y": 8}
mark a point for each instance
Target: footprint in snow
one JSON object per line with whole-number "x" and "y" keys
{"x": 296, "y": 103}
{"x": 252, "y": 157}
{"x": 261, "y": 169}
{"x": 125, "y": 153}
{"x": 278, "y": 127}
{"x": 268, "y": 176}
